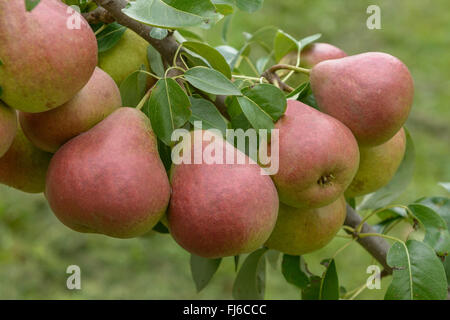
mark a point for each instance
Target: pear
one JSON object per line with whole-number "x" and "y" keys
{"x": 318, "y": 157}
{"x": 220, "y": 210}
{"x": 313, "y": 54}
{"x": 24, "y": 166}
{"x": 8, "y": 127}
{"x": 49, "y": 130}
{"x": 301, "y": 231}
{"x": 377, "y": 165}
{"x": 110, "y": 179}
{"x": 371, "y": 93}
{"x": 126, "y": 57}
{"x": 44, "y": 61}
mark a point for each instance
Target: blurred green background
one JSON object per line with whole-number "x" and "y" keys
{"x": 36, "y": 249}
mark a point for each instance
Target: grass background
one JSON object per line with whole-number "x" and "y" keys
{"x": 36, "y": 249}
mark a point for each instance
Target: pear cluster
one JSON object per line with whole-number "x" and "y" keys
{"x": 65, "y": 132}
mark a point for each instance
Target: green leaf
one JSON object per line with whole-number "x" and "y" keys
{"x": 445, "y": 185}
{"x": 206, "y": 112}
{"x": 158, "y": 33}
{"x": 110, "y": 36}
{"x": 284, "y": 43}
{"x": 249, "y": 5}
{"x": 236, "y": 262}
{"x": 436, "y": 231}
{"x": 226, "y": 28}
{"x": 397, "y": 185}
{"x": 155, "y": 61}
{"x": 238, "y": 119}
{"x": 165, "y": 153}
{"x": 225, "y": 7}
{"x": 211, "y": 81}
{"x": 160, "y": 228}
{"x": 300, "y": 92}
{"x": 31, "y": 4}
{"x": 273, "y": 256}
{"x": 308, "y": 40}
{"x": 132, "y": 89}
{"x": 439, "y": 204}
{"x": 229, "y": 53}
{"x": 312, "y": 290}
{"x": 188, "y": 34}
{"x": 290, "y": 267}
{"x": 329, "y": 286}
{"x": 250, "y": 280}
{"x": 214, "y": 57}
{"x": 269, "y": 98}
{"x": 168, "y": 108}
{"x": 202, "y": 270}
{"x": 418, "y": 274}
{"x": 172, "y": 14}
{"x": 255, "y": 114}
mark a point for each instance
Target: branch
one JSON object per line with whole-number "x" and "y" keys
{"x": 376, "y": 246}
{"x": 99, "y": 15}
{"x": 167, "y": 47}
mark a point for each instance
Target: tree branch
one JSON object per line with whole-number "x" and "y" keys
{"x": 99, "y": 15}
{"x": 376, "y": 246}
{"x": 167, "y": 47}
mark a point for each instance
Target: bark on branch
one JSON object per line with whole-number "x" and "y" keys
{"x": 376, "y": 246}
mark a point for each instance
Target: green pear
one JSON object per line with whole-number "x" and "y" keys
{"x": 24, "y": 166}
{"x": 318, "y": 157}
{"x": 8, "y": 127}
{"x": 371, "y": 93}
{"x": 219, "y": 208}
{"x": 126, "y": 57}
{"x": 110, "y": 179}
{"x": 313, "y": 54}
{"x": 377, "y": 165}
{"x": 301, "y": 231}
{"x": 44, "y": 62}
{"x": 50, "y": 130}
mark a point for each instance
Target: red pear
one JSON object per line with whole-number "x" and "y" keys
{"x": 220, "y": 210}
{"x": 8, "y": 127}
{"x": 47, "y": 54}
{"x": 371, "y": 93}
{"x": 301, "y": 231}
{"x": 110, "y": 179}
{"x": 49, "y": 130}
{"x": 318, "y": 157}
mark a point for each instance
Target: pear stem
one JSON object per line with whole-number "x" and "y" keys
{"x": 289, "y": 67}
{"x": 103, "y": 27}
{"x": 144, "y": 99}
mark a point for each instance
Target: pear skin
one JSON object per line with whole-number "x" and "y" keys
{"x": 220, "y": 210}
{"x": 318, "y": 157}
{"x": 49, "y": 130}
{"x": 371, "y": 93}
{"x": 378, "y": 165}
{"x": 24, "y": 166}
{"x": 8, "y": 127}
{"x": 110, "y": 179}
{"x": 126, "y": 57}
{"x": 48, "y": 63}
{"x": 301, "y": 231}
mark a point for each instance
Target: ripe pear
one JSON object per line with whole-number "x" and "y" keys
{"x": 24, "y": 166}
{"x": 110, "y": 179}
{"x": 313, "y": 54}
{"x": 8, "y": 127}
{"x": 318, "y": 157}
{"x": 126, "y": 57}
{"x": 301, "y": 231}
{"x": 371, "y": 93}
{"x": 378, "y": 165}
{"x": 49, "y": 130}
{"x": 220, "y": 210}
{"x": 44, "y": 62}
